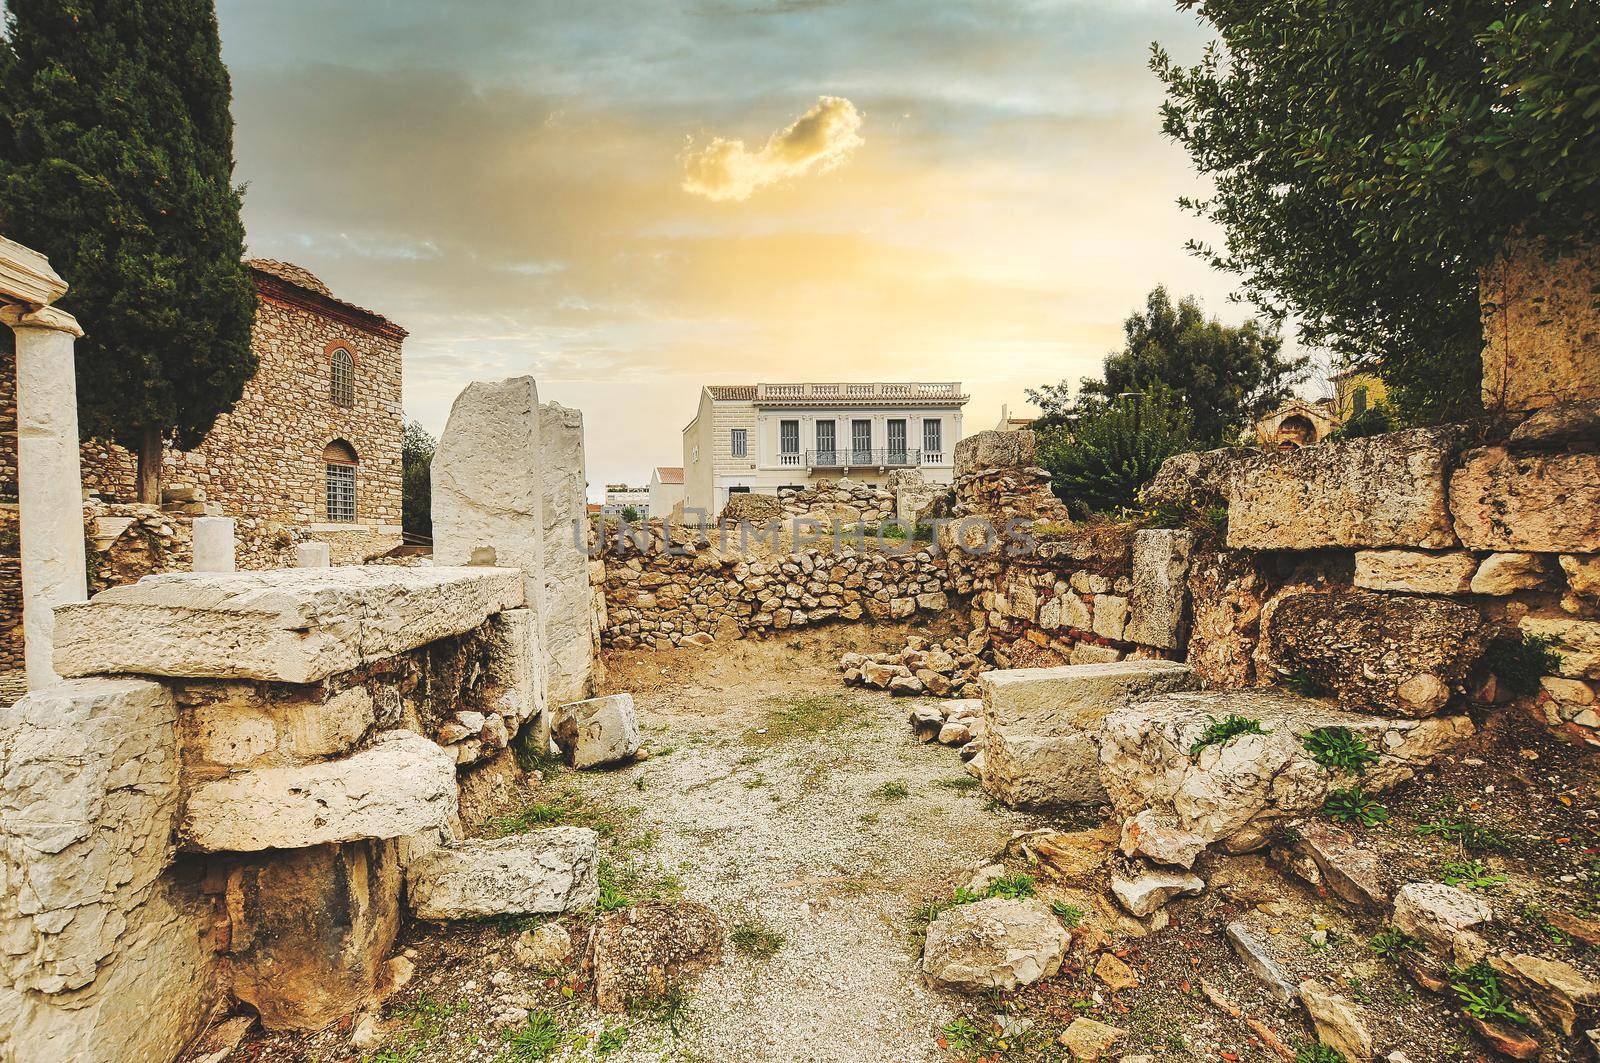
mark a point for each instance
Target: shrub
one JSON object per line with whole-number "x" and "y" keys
{"x": 1098, "y": 463}
{"x": 1520, "y": 662}
{"x": 1373, "y": 421}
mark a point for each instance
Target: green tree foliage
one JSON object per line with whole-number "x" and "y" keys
{"x": 1368, "y": 158}
{"x": 416, "y": 480}
{"x": 1111, "y": 448}
{"x": 116, "y": 161}
{"x": 1226, "y": 375}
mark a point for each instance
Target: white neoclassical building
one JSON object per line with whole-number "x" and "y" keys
{"x": 762, "y": 438}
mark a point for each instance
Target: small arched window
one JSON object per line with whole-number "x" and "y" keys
{"x": 342, "y": 378}
{"x": 339, "y": 463}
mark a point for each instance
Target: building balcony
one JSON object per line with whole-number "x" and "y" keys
{"x": 848, "y": 458}
{"x": 946, "y": 393}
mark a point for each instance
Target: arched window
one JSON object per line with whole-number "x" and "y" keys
{"x": 342, "y": 378}
{"x": 1358, "y": 400}
{"x": 339, "y": 462}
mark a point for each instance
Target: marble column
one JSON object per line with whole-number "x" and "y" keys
{"x": 49, "y": 479}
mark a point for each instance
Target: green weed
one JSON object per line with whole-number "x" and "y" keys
{"x": 1471, "y": 875}
{"x": 892, "y": 791}
{"x": 751, "y": 937}
{"x": 1340, "y": 749}
{"x": 1218, "y": 732}
{"x": 1481, "y": 995}
{"x": 538, "y": 1038}
{"x": 1392, "y": 942}
{"x": 1353, "y": 806}
{"x": 1519, "y": 662}
{"x": 1317, "y": 1052}
{"x": 1473, "y": 836}
{"x": 1069, "y": 914}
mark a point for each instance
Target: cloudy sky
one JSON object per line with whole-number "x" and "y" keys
{"x": 629, "y": 200}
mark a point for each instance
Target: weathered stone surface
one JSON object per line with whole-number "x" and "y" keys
{"x": 1577, "y": 642}
{"x": 1415, "y": 571}
{"x": 1142, "y": 892}
{"x": 403, "y": 784}
{"x": 1202, "y": 477}
{"x": 1114, "y": 974}
{"x": 1088, "y": 1040}
{"x": 1583, "y": 575}
{"x": 542, "y": 872}
{"x": 1338, "y": 1022}
{"x": 642, "y": 951}
{"x": 1254, "y": 955}
{"x": 1383, "y": 652}
{"x": 1386, "y": 490}
{"x": 1558, "y": 427}
{"x": 1554, "y": 988}
{"x": 1509, "y": 573}
{"x": 547, "y": 947}
{"x": 994, "y": 450}
{"x": 1345, "y": 867}
{"x": 104, "y": 957}
{"x": 1145, "y": 834}
{"x": 994, "y": 944}
{"x": 569, "y": 637}
{"x": 236, "y": 725}
{"x": 311, "y": 929}
{"x": 1160, "y": 587}
{"x": 1226, "y": 595}
{"x": 287, "y": 625}
{"x": 1541, "y": 328}
{"x": 1538, "y": 503}
{"x": 1235, "y": 793}
{"x": 1443, "y": 918}
{"x": 598, "y": 731}
{"x": 1041, "y": 725}
{"x": 1110, "y": 616}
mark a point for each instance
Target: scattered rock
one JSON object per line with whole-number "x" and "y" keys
{"x": 1259, "y": 962}
{"x": 1443, "y": 917}
{"x": 1506, "y": 1040}
{"x": 1144, "y": 834}
{"x": 1338, "y": 1022}
{"x": 370, "y": 1032}
{"x": 1142, "y": 892}
{"x": 597, "y": 731}
{"x": 547, "y": 947}
{"x": 542, "y": 872}
{"x": 1114, "y": 973}
{"x": 994, "y": 944}
{"x": 218, "y": 1043}
{"x": 1348, "y": 869}
{"x": 1089, "y": 1040}
{"x": 639, "y": 952}
{"x": 1555, "y": 989}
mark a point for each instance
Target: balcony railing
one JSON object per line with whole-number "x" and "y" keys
{"x": 943, "y": 391}
{"x": 850, "y": 458}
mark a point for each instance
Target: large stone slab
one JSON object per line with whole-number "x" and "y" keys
{"x": 1160, "y": 587}
{"x": 1386, "y": 490}
{"x": 1382, "y": 652}
{"x": 1042, "y": 725}
{"x": 1233, "y": 794}
{"x": 287, "y": 626}
{"x": 994, "y": 450}
{"x": 543, "y": 872}
{"x": 1540, "y": 503}
{"x": 1541, "y": 327}
{"x": 310, "y": 931}
{"x": 569, "y": 631}
{"x": 404, "y": 784}
{"x": 1415, "y": 571}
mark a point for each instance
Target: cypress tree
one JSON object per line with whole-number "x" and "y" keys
{"x": 116, "y": 161}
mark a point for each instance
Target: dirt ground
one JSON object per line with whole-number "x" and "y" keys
{"x": 809, "y": 819}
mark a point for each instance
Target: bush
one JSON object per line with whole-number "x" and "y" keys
{"x": 1099, "y": 461}
{"x": 1518, "y": 662}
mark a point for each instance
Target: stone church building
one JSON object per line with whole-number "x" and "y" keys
{"x": 311, "y": 451}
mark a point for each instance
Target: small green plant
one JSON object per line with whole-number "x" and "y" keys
{"x": 961, "y": 1036}
{"x": 1534, "y": 914}
{"x": 1305, "y": 684}
{"x": 804, "y": 717}
{"x": 1219, "y": 732}
{"x": 668, "y": 1008}
{"x": 532, "y": 758}
{"x": 1317, "y": 1052}
{"x": 1481, "y": 995}
{"x": 1329, "y": 940}
{"x": 1353, "y": 806}
{"x": 1392, "y": 942}
{"x": 959, "y": 782}
{"x": 1471, "y": 875}
{"x": 610, "y": 1040}
{"x": 538, "y": 1038}
{"x": 1069, "y": 914}
{"x": 892, "y": 791}
{"x": 1015, "y": 887}
{"x": 1340, "y": 749}
{"x": 752, "y": 937}
{"x": 1459, "y": 827}
{"x": 1519, "y": 661}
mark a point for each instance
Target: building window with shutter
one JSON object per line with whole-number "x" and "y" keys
{"x": 739, "y": 442}
{"x": 339, "y": 465}
{"x": 342, "y": 378}
{"x": 932, "y": 441}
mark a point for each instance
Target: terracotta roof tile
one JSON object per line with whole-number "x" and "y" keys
{"x": 669, "y": 474}
{"x": 732, "y": 392}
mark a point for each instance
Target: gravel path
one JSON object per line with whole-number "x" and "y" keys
{"x": 779, "y": 803}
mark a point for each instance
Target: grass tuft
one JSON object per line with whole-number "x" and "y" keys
{"x": 752, "y": 937}
{"x": 892, "y": 791}
{"x": 1340, "y": 749}
{"x": 803, "y": 717}
{"x": 1219, "y": 732}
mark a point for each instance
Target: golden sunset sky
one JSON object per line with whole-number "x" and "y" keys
{"x": 630, "y": 200}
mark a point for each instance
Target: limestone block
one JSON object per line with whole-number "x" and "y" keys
{"x": 311, "y": 555}
{"x": 311, "y": 929}
{"x": 402, "y": 784}
{"x": 1386, "y": 490}
{"x": 1538, "y": 503}
{"x": 598, "y": 731}
{"x": 1233, "y": 794}
{"x": 286, "y": 625}
{"x": 1510, "y": 573}
{"x": 641, "y": 952}
{"x": 1577, "y": 641}
{"x": 1415, "y": 571}
{"x": 1227, "y": 591}
{"x": 994, "y": 944}
{"x": 1201, "y": 476}
{"x": 1110, "y": 616}
{"x": 1042, "y": 724}
{"x": 514, "y": 665}
{"x": 236, "y": 725}
{"x": 543, "y": 872}
{"x": 1583, "y": 575}
{"x": 1558, "y": 427}
{"x": 1160, "y": 586}
{"x": 1541, "y": 327}
{"x": 994, "y": 450}
{"x": 213, "y": 544}
{"x": 1380, "y": 652}
{"x": 569, "y": 642}
{"x": 1142, "y": 891}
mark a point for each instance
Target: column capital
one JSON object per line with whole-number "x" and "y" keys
{"x": 44, "y": 317}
